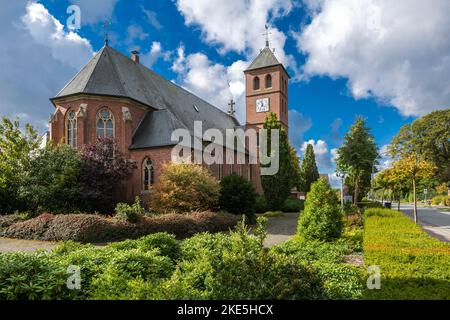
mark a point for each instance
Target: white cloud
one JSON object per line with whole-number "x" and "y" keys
{"x": 321, "y": 153}
{"x": 236, "y": 25}
{"x": 152, "y": 18}
{"x": 37, "y": 58}
{"x": 214, "y": 82}
{"x": 395, "y": 51}
{"x": 135, "y": 33}
{"x": 156, "y": 52}
{"x": 93, "y": 11}
{"x": 178, "y": 64}
{"x": 385, "y": 160}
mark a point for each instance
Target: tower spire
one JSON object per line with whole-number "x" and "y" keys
{"x": 266, "y": 34}
{"x": 105, "y": 29}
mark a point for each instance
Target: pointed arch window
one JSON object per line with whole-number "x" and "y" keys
{"x": 256, "y": 83}
{"x": 268, "y": 81}
{"x": 105, "y": 123}
{"x": 71, "y": 129}
{"x": 147, "y": 174}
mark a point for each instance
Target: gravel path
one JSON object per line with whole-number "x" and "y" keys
{"x": 280, "y": 229}
{"x": 13, "y": 245}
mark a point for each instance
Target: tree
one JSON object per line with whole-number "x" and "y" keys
{"x": 322, "y": 217}
{"x": 237, "y": 196}
{"x": 183, "y": 188}
{"x": 429, "y": 137}
{"x": 357, "y": 156}
{"x": 309, "y": 171}
{"x": 410, "y": 167}
{"x": 277, "y": 187}
{"x": 52, "y": 182}
{"x": 16, "y": 150}
{"x": 102, "y": 171}
{"x": 297, "y": 180}
{"x": 383, "y": 181}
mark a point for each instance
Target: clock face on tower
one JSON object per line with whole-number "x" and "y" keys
{"x": 262, "y": 105}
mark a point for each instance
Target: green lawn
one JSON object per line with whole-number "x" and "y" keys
{"x": 413, "y": 265}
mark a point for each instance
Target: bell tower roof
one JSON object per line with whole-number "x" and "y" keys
{"x": 266, "y": 58}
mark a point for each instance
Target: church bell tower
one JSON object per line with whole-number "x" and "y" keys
{"x": 266, "y": 89}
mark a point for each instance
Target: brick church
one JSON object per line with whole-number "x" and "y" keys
{"x": 116, "y": 96}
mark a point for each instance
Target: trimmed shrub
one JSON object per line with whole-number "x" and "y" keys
{"x": 293, "y": 205}
{"x": 322, "y": 217}
{"x": 184, "y": 188}
{"x": 261, "y": 204}
{"x": 97, "y": 229}
{"x": 130, "y": 213}
{"x": 413, "y": 264}
{"x": 30, "y": 229}
{"x": 237, "y": 195}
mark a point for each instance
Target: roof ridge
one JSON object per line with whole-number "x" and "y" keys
{"x": 122, "y": 85}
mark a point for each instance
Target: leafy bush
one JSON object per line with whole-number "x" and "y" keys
{"x": 413, "y": 265}
{"x": 441, "y": 201}
{"x": 237, "y": 195}
{"x": 131, "y": 213}
{"x": 25, "y": 276}
{"x": 293, "y": 205}
{"x": 339, "y": 281}
{"x": 127, "y": 265}
{"x": 52, "y": 183}
{"x": 236, "y": 266}
{"x": 184, "y": 188}
{"x": 322, "y": 217}
{"x": 97, "y": 229}
{"x": 165, "y": 243}
{"x": 261, "y": 204}
{"x": 367, "y": 204}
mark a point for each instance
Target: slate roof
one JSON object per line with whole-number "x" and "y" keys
{"x": 113, "y": 74}
{"x": 266, "y": 58}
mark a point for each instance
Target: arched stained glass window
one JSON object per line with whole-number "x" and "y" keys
{"x": 71, "y": 129}
{"x": 105, "y": 124}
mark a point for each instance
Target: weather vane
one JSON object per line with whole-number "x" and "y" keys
{"x": 105, "y": 28}
{"x": 266, "y": 34}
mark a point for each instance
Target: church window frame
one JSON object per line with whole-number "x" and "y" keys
{"x": 148, "y": 172}
{"x": 105, "y": 124}
{"x": 268, "y": 81}
{"x": 71, "y": 129}
{"x": 256, "y": 83}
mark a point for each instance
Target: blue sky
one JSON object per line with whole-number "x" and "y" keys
{"x": 346, "y": 58}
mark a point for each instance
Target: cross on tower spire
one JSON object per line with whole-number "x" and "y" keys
{"x": 105, "y": 29}
{"x": 231, "y": 110}
{"x": 266, "y": 34}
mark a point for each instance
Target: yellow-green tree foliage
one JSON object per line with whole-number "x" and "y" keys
{"x": 184, "y": 188}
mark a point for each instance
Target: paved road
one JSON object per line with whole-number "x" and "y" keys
{"x": 281, "y": 228}
{"x": 434, "y": 221}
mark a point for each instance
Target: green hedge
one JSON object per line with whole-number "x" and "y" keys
{"x": 413, "y": 265}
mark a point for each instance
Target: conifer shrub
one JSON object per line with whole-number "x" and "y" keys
{"x": 237, "y": 195}
{"x": 322, "y": 217}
